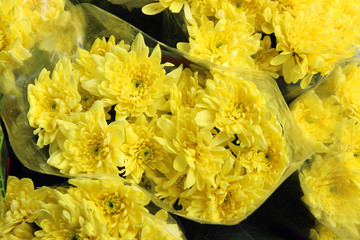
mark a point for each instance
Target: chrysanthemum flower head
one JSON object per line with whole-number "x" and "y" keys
{"x": 20, "y": 206}
{"x": 69, "y": 218}
{"x": 52, "y": 98}
{"x": 234, "y": 106}
{"x": 16, "y": 37}
{"x": 318, "y": 118}
{"x": 89, "y": 143}
{"x": 197, "y": 152}
{"x": 133, "y": 81}
{"x": 122, "y": 207}
{"x": 140, "y": 151}
{"x": 331, "y": 192}
{"x": 348, "y": 86}
{"x": 226, "y": 42}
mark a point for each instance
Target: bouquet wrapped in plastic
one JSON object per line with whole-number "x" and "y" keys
{"x": 205, "y": 143}
{"x": 329, "y": 115}
{"x": 300, "y": 41}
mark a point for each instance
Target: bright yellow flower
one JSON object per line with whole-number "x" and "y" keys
{"x": 52, "y": 98}
{"x": 19, "y": 209}
{"x": 89, "y": 144}
{"x": 156, "y": 228}
{"x": 16, "y": 37}
{"x": 122, "y": 207}
{"x": 309, "y": 44}
{"x": 226, "y": 42}
{"x": 234, "y": 106}
{"x": 185, "y": 93}
{"x": 258, "y": 12}
{"x": 318, "y": 118}
{"x": 23, "y": 231}
{"x": 133, "y": 81}
{"x": 197, "y": 151}
{"x": 174, "y": 5}
{"x": 348, "y": 87}
{"x": 264, "y": 56}
{"x": 69, "y": 218}
{"x": 268, "y": 164}
{"x": 227, "y": 204}
{"x": 140, "y": 152}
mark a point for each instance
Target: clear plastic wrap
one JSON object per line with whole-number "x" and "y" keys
{"x": 101, "y": 208}
{"x": 223, "y": 140}
{"x": 329, "y": 116}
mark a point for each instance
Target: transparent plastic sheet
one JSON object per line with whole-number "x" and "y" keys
{"x": 102, "y": 24}
{"x": 329, "y": 179}
{"x": 99, "y": 209}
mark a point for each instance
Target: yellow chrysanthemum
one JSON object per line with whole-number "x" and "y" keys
{"x": 23, "y": 231}
{"x": 140, "y": 152}
{"x": 229, "y": 203}
{"x": 197, "y": 152}
{"x": 258, "y": 12}
{"x": 133, "y": 81}
{"x": 226, "y": 42}
{"x": 185, "y": 93}
{"x": 331, "y": 192}
{"x": 321, "y": 232}
{"x": 156, "y": 228}
{"x": 160, "y": 5}
{"x": 20, "y": 206}
{"x": 234, "y": 106}
{"x": 70, "y": 218}
{"x": 89, "y": 144}
{"x": 348, "y": 87}
{"x": 308, "y": 43}
{"x": 52, "y": 98}
{"x": 268, "y": 164}
{"x": 264, "y": 56}
{"x": 318, "y": 118}
{"x": 56, "y": 28}
{"x": 86, "y": 67}
{"x": 16, "y": 37}
{"x": 121, "y": 206}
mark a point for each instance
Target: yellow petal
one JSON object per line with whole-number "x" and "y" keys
{"x": 180, "y": 163}
{"x": 152, "y": 9}
{"x": 280, "y": 59}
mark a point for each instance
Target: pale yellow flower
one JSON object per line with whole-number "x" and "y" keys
{"x": 70, "y": 218}
{"x": 258, "y": 12}
{"x": 229, "y": 203}
{"x": 22, "y": 231}
{"x": 197, "y": 152}
{"x": 156, "y": 228}
{"x": 19, "y": 208}
{"x": 233, "y": 106}
{"x": 52, "y": 98}
{"x": 56, "y": 28}
{"x": 89, "y": 144}
{"x": 140, "y": 151}
{"x": 133, "y": 81}
{"x": 16, "y": 37}
{"x": 122, "y": 207}
{"x": 225, "y": 42}
{"x": 318, "y": 118}
{"x": 264, "y": 56}
{"x": 322, "y": 232}
{"x": 185, "y": 93}
{"x": 308, "y": 44}
{"x": 268, "y": 164}
{"x": 331, "y": 193}
{"x": 348, "y": 87}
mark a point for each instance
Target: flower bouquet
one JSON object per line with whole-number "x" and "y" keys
{"x": 201, "y": 130}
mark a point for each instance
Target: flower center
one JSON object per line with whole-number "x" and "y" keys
{"x": 146, "y": 154}
{"x": 53, "y": 106}
{"x": 96, "y": 149}
{"x": 73, "y": 237}
{"x": 137, "y": 83}
{"x": 112, "y": 204}
{"x": 4, "y": 42}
